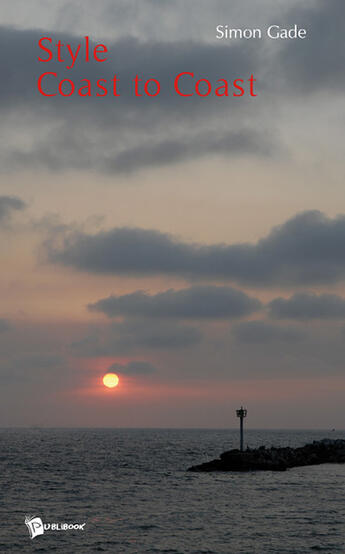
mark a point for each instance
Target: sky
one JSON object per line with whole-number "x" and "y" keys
{"x": 194, "y": 246}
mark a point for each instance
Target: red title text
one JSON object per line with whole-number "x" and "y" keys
{"x": 185, "y": 84}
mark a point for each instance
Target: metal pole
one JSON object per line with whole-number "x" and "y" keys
{"x": 241, "y": 429}
{"x": 241, "y": 414}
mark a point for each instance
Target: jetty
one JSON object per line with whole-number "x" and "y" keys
{"x": 325, "y": 451}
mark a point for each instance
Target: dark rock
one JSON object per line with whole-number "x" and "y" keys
{"x": 277, "y": 459}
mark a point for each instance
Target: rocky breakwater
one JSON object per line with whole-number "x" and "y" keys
{"x": 325, "y": 451}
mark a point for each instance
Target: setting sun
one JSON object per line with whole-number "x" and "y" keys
{"x": 110, "y": 380}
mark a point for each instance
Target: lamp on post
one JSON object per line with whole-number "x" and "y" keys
{"x": 242, "y": 413}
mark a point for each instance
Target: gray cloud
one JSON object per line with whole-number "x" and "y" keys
{"x": 136, "y": 335}
{"x": 319, "y": 65}
{"x": 128, "y": 17}
{"x": 261, "y": 332}
{"x": 125, "y": 58}
{"x": 308, "y": 306}
{"x": 195, "y": 302}
{"x": 306, "y": 249}
{"x": 9, "y": 204}
{"x": 169, "y": 151}
{"x": 4, "y": 325}
{"x": 106, "y": 134}
{"x": 31, "y": 367}
{"x": 134, "y": 368}
{"x": 259, "y": 348}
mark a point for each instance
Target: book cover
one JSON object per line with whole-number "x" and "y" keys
{"x": 172, "y": 230}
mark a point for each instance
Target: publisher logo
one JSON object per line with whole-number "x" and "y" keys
{"x": 36, "y": 526}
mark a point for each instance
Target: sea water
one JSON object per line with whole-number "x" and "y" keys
{"x": 131, "y": 489}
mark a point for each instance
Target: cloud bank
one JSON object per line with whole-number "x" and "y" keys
{"x": 8, "y": 205}
{"x": 307, "y": 249}
{"x": 198, "y": 302}
{"x": 106, "y": 135}
{"x": 308, "y": 306}
{"x": 133, "y": 368}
